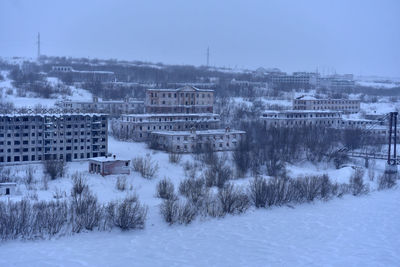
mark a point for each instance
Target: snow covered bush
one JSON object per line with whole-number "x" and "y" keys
{"x": 146, "y": 166}
{"x": 165, "y": 189}
{"x": 130, "y": 214}
{"x": 169, "y": 210}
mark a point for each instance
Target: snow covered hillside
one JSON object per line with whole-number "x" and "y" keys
{"x": 8, "y": 93}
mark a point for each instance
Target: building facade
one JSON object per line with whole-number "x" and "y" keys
{"x": 126, "y": 106}
{"x": 67, "y": 72}
{"x": 187, "y": 99}
{"x": 298, "y": 118}
{"x": 138, "y": 127}
{"x": 311, "y": 103}
{"x": 193, "y": 140}
{"x": 36, "y": 137}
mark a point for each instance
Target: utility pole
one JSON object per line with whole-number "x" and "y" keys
{"x": 38, "y": 45}
{"x": 391, "y": 166}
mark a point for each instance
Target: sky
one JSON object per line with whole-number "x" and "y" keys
{"x": 343, "y": 36}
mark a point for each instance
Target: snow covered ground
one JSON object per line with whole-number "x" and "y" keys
{"x": 361, "y": 231}
{"x": 354, "y": 231}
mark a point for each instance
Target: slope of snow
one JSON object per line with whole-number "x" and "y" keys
{"x": 77, "y": 94}
{"x": 354, "y": 231}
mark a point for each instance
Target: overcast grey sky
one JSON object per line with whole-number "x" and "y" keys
{"x": 361, "y": 37}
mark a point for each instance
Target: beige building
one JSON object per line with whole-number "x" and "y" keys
{"x": 311, "y": 103}
{"x": 187, "y": 99}
{"x": 138, "y": 127}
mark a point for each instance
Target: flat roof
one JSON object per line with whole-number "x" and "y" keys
{"x": 51, "y": 114}
{"x": 300, "y": 111}
{"x": 170, "y": 114}
{"x": 108, "y": 159}
{"x": 201, "y": 132}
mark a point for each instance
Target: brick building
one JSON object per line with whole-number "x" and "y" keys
{"x": 187, "y": 99}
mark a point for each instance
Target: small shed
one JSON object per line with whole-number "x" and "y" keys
{"x": 7, "y": 188}
{"x": 109, "y": 165}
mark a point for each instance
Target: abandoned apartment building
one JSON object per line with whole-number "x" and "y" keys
{"x": 35, "y": 137}
{"x": 193, "y": 140}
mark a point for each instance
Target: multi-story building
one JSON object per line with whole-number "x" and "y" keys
{"x": 67, "y": 72}
{"x": 187, "y": 99}
{"x": 138, "y": 127}
{"x": 192, "y": 141}
{"x": 300, "y": 79}
{"x": 311, "y": 103}
{"x": 35, "y": 137}
{"x": 126, "y": 106}
{"x": 297, "y": 118}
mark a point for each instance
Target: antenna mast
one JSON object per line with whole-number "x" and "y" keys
{"x": 208, "y": 56}
{"x": 38, "y": 45}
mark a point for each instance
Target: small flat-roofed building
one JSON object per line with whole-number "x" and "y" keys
{"x": 7, "y": 188}
{"x": 192, "y": 141}
{"x": 109, "y": 165}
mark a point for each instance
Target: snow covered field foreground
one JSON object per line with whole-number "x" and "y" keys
{"x": 354, "y": 231}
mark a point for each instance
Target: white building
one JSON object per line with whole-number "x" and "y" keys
{"x": 192, "y": 141}
{"x": 311, "y": 103}
{"x": 126, "y": 106}
{"x": 297, "y": 118}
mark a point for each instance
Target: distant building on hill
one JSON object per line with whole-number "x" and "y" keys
{"x": 311, "y": 103}
{"x": 68, "y": 73}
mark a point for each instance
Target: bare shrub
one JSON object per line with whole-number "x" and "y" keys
{"x": 50, "y": 217}
{"x": 175, "y": 211}
{"x": 174, "y": 157}
{"x": 146, "y": 166}
{"x": 54, "y": 168}
{"x": 357, "y": 185}
{"x": 193, "y": 188}
{"x": 217, "y": 174}
{"x": 258, "y": 191}
{"x": 130, "y": 214}
{"x": 169, "y": 210}
{"x": 86, "y": 212}
{"x": 29, "y": 175}
{"x": 386, "y": 181}
{"x": 120, "y": 184}
{"x": 165, "y": 189}
{"x": 233, "y": 200}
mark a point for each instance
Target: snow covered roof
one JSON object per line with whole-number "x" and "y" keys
{"x": 8, "y": 184}
{"x": 201, "y": 132}
{"x": 146, "y": 115}
{"x": 299, "y": 111}
{"x": 306, "y": 97}
{"x": 50, "y": 114}
{"x": 107, "y": 159}
{"x": 185, "y": 88}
